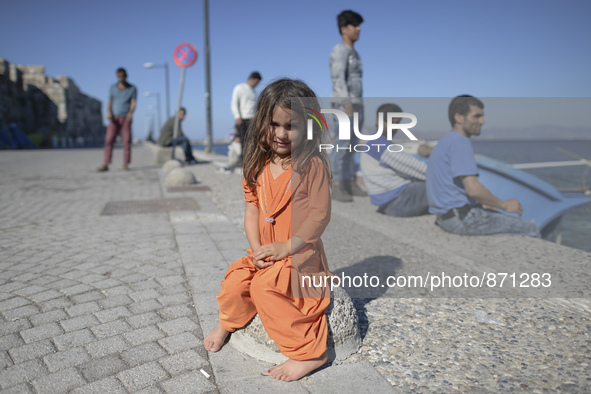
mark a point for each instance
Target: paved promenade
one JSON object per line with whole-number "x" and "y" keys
{"x": 93, "y": 303}
{"x": 118, "y": 303}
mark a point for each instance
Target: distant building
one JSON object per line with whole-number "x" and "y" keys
{"x": 51, "y": 106}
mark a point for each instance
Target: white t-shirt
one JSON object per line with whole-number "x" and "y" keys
{"x": 244, "y": 101}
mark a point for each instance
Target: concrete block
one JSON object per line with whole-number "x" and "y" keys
{"x": 113, "y": 302}
{"x": 48, "y": 317}
{"x": 143, "y": 354}
{"x": 107, "y": 346}
{"x": 109, "y": 329}
{"x": 10, "y": 341}
{"x": 142, "y": 376}
{"x": 144, "y": 295}
{"x": 57, "y": 303}
{"x": 178, "y": 326}
{"x": 146, "y": 284}
{"x": 144, "y": 319}
{"x": 19, "y": 313}
{"x": 21, "y": 373}
{"x": 338, "y": 379}
{"x": 108, "y": 315}
{"x": 143, "y": 335}
{"x": 59, "y": 382}
{"x": 46, "y": 295}
{"x": 77, "y": 289}
{"x": 175, "y": 299}
{"x": 183, "y": 362}
{"x": 14, "y": 326}
{"x": 188, "y": 383}
{"x": 171, "y": 164}
{"x": 174, "y": 312}
{"x": 79, "y": 322}
{"x": 34, "y": 350}
{"x": 108, "y": 385}
{"x": 180, "y": 177}
{"x": 94, "y": 295}
{"x": 102, "y": 367}
{"x": 343, "y": 333}
{"x": 66, "y": 359}
{"x": 180, "y": 342}
{"x": 29, "y": 290}
{"x": 73, "y": 339}
{"x": 41, "y": 332}
{"x": 83, "y": 309}
{"x": 5, "y": 360}
{"x": 14, "y": 302}
{"x": 144, "y": 306}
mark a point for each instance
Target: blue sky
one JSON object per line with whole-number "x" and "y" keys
{"x": 409, "y": 48}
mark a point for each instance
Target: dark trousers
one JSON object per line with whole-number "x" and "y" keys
{"x": 185, "y": 144}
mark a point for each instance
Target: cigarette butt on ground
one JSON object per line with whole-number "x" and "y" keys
{"x": 205, "y": 374}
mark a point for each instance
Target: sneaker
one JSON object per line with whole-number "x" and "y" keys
{"x": 191, "y": 162}
{"x": 125, "y": 167}
{"x": 104, "y": 167}
{"x": 340, "y": 194}
{"x": 224, "y": 170}
{"x": 354, "y": 189}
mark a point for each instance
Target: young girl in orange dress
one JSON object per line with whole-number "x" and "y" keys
{"x": 287, "y": 192}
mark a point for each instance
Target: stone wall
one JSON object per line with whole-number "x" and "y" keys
{"x": 38, "y": 103}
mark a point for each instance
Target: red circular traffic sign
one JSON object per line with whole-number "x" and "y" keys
{"x": 185, "y": 55}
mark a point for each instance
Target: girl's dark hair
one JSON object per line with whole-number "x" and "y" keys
{"x": 290, "y": 94}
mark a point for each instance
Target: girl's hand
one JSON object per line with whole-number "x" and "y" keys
{"x": 259, "y": 263}
{"x": 274, "y": 251}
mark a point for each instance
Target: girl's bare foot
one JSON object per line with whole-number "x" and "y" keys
{"x": 294, "y": 370}
{"x": 215, "y": 340}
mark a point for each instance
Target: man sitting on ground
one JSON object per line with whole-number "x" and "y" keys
{"x": 395, "y": 181}
{"x": 462, "y": 204}
{"x": 166, "y": 137}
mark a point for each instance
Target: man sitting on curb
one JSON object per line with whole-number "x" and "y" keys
{"x": 166, "y": 137}
{"x": 455, "y": 195}
{"x": 395, "y": 181}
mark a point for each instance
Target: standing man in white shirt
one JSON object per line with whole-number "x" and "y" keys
{"x": 244, "y": 100}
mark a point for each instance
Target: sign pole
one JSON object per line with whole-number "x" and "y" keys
{"x": 209, "y": 147}
{"x": 184, "y": 56}
{"x": 178, "y": 110}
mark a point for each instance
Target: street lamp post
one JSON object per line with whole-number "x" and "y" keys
{"x": 157, "y": 94}
{"x": 167, "y": 80}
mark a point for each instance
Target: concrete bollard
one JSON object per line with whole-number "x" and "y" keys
{"x": 343, "y": 340}
{"x": 180, "y": 177}
{"x": 171, "y": 165}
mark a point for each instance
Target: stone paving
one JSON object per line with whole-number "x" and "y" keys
{"x": 90, "y": 303}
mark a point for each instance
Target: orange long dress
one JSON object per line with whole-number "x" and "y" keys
{"x": 298, "y": 205}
